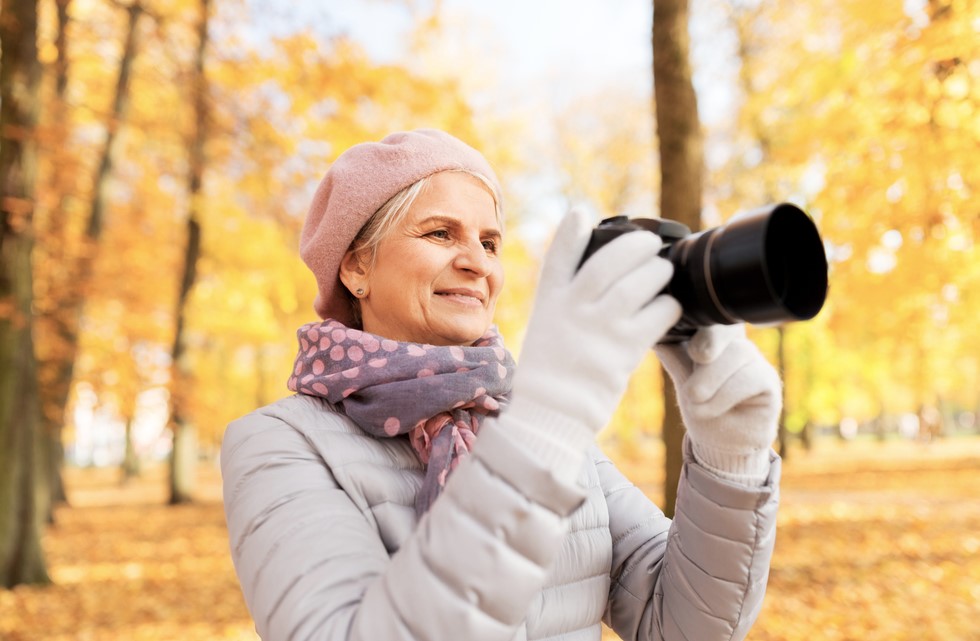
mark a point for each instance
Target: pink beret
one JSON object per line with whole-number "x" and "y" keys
{"x": 359, "y": 182}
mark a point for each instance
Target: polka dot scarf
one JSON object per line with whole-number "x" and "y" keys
{"x": 439, "y": 396}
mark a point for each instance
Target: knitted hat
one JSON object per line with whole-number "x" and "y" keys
{"x": 359, "y": 182}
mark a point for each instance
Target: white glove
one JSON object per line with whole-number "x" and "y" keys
{"x": 588, "y": 331}
{"x": 730, "y": 397}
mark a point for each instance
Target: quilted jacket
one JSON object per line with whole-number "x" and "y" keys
{"x": 326, "y": 543}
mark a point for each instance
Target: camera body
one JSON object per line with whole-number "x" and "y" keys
{"x": 764, "y": 266}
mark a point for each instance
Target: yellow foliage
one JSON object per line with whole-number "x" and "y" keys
{"x": 864, "y": 115}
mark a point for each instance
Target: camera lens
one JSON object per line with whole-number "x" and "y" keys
{"x": 765, "y": 266}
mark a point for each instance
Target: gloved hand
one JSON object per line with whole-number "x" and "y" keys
{"x": 587, "y": 333}
{"x": 730, "y": 397}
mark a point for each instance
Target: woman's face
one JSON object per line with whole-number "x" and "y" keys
{"x": 436, "y": 276}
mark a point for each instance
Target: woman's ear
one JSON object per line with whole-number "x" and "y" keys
{"x": 354, "y": 272}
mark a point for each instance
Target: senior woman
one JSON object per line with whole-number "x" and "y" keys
{"x": 419, "y": 486}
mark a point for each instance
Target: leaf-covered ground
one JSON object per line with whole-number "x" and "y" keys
{"x": 879, "y": 549}
{"x": 876, "y": 542}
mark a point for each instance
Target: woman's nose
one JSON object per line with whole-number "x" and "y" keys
{"x": 473, "y": 257}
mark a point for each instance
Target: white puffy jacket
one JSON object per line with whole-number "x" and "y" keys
{"x": 326, "y": 543}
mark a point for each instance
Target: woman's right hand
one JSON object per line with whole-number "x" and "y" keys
{"x": 590, "y": 328}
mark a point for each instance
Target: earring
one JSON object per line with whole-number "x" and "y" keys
{"x": 359, "y": 292}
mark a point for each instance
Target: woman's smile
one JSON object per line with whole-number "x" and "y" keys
{"x": 462, "y": 296}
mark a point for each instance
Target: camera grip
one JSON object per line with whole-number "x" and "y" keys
{"x": 608, "y": 229}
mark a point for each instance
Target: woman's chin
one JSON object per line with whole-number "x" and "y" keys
{"x": 464, "y": 333}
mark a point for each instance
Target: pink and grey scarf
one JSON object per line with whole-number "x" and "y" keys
{"x": 439, "y": 396}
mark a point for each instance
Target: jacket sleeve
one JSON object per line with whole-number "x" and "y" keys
{"x": 311, "y": 566}
{"x": 701, "y": 576}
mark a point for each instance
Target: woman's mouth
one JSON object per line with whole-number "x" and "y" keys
{"x": 464, "y": 296}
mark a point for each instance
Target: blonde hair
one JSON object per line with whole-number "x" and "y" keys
{"x": 382, "y": 222}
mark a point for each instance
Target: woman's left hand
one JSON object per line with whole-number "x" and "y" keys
{"x": 730, "y": 398}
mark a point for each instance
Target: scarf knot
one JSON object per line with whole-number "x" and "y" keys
{"x": 438, "y": 396}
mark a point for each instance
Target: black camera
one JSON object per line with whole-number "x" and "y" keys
{"x": 764, "y": 266}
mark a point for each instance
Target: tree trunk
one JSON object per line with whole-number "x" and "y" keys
{"x": 131, "y": 466}
{"x": 184, "y": 453}
{"x": 48, "y": 319}
{"x": 681, "y": 168}
{"x": 70, "y": 287}
{"x": 806, "y": 435}
{"x": 23, "y": 485}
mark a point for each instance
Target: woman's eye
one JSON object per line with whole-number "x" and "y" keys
{"x": 439, "y": 233}
{"x": 490, "y": 246}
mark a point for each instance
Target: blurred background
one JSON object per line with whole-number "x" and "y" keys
{"x": 158, "y": 159}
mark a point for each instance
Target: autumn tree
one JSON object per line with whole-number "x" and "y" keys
{"x": 870, "y": 120}
{"x": 681, "y": 169}
{"x": 23, "y": 490}
{"x": 184, "y": 452}
{"x": 70, "y": 247}
{"x": 53, "y": 254}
